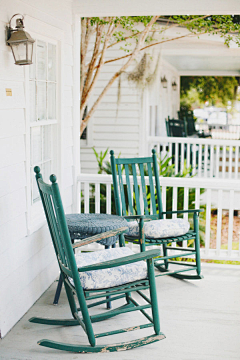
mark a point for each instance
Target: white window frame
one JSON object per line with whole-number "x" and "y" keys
{"x": 35, "y": 214}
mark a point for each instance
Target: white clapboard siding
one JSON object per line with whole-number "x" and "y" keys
{"x": 12, "y": 123}
{"x": 13, "y": 149}
{"x": 12, "y": 205}
{"x": 27, "y": 261}
{"x": 8, "y": 176}
{"x": 15, "y": 228}
{"x": 17, "y": 100}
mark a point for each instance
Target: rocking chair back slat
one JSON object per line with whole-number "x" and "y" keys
{"x": 136, "y": 189}
{"x": 129, "y": 193}
{"x": 144, "y": 193}
{"x": 122, "y": 190}
{"x": 152, "y": 190}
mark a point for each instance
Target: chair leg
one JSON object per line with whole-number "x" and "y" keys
{"x": 153, "y": 296}
{"x": 197, "y": 243}
{"x": 164, "y": 246}
{"x": 109, "y": 304}
{"x": 58, "y": 291}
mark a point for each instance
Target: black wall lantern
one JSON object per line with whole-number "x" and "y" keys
{"x": 164, "y": 82}
{"x": 20, "y": 41}
{"x": 174, "y": 85}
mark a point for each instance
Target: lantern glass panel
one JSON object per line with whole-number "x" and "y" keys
{"x": 29, "y": 52}
{"x": 20, "y": 51}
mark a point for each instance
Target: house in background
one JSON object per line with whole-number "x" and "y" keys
{"x": 129, "y": 126}
{"x": 37, "y": 131}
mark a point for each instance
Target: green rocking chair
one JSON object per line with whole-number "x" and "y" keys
{"x": 96, "y": 276}
{"x": 139, "y": 200}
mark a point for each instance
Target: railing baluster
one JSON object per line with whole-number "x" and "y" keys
{"x": 194, "y": 154}
{"x": 217, "y": 161}
{"x": 170, "y": 152}
{"x": 200, "y": 161}
{"x": 176, "y": 156}
{"x": 224, "y": 162}
{"x": 236, "y": 161}
{"x": 182, "y": 157}
{"x": 109, "y": 199}
{"x": 97, "y": 198}
{"x": 219, "y": 222}
{"x": 205, "y": 160}
{"x": 208, "y": 222}
{"x": 230, "y": 223}
{"x": 86, "y": 197}
{"x": 211, "y": 160}
{"x": 230, "y": 162}
{"x": 188, "y": 155}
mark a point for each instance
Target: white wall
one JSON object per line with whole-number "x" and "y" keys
{"x": 27, "y": 260}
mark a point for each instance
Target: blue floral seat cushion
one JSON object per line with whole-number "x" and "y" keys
{"x": 98, "y": 279}
{"x": 157, "y": 229}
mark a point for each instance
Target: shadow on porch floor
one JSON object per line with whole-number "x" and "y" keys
{"x": 201, "y": 321}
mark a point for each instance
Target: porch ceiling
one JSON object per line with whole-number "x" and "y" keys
{"x": 155, "y": 7}
{"x": 205, "y": 65}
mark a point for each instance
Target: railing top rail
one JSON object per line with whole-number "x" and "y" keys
{"x": 187, "y": 140}
{"x": 194, "y": 182}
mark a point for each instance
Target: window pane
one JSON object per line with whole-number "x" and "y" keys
{"x": 41, "y": 60}
{"x": 46, "y": 170}
{"x": 32, "y": 68}
{"x": 47, "y": 142}
{"x": 36, "y": 141}
{"x": 32, "y": 100}
{"x": 35, "y": 191}
{"x": 51, "y": 62}
{"x": 42, "y": 100}
{"x": 51, "y": 99}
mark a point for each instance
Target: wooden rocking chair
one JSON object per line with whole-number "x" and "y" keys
{"x": 139, "y": 201}
{"x": 115, "y": 272}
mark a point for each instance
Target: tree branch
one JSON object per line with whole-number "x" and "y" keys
{"x": 108, "y": 36}
{"x": 116, "y": 75}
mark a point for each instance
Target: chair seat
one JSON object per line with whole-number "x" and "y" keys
{"x": 156, "y": 229}
{"x": 105, "y": 278}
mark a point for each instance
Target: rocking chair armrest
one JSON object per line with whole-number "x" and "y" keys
{"x": 101, "y": 236}
{"x": 121, "y": 261}
{"x": 139, "y": 217}
{"x": 182, "y": 211}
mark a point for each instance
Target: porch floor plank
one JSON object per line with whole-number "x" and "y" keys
{"x": 201, "y": 321}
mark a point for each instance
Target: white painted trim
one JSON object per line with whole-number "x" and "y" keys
{"x": 209, "y": 73}
{"x": 154, "y": 7}
{"x": 76, "y": 110}
{"x": 34, "y": 223}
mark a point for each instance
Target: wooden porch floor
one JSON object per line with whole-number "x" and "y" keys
{"x": 201, "y": 321}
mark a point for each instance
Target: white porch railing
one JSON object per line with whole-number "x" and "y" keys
{"x": 208, "y": 157}
{"x": 222, "y": 195}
